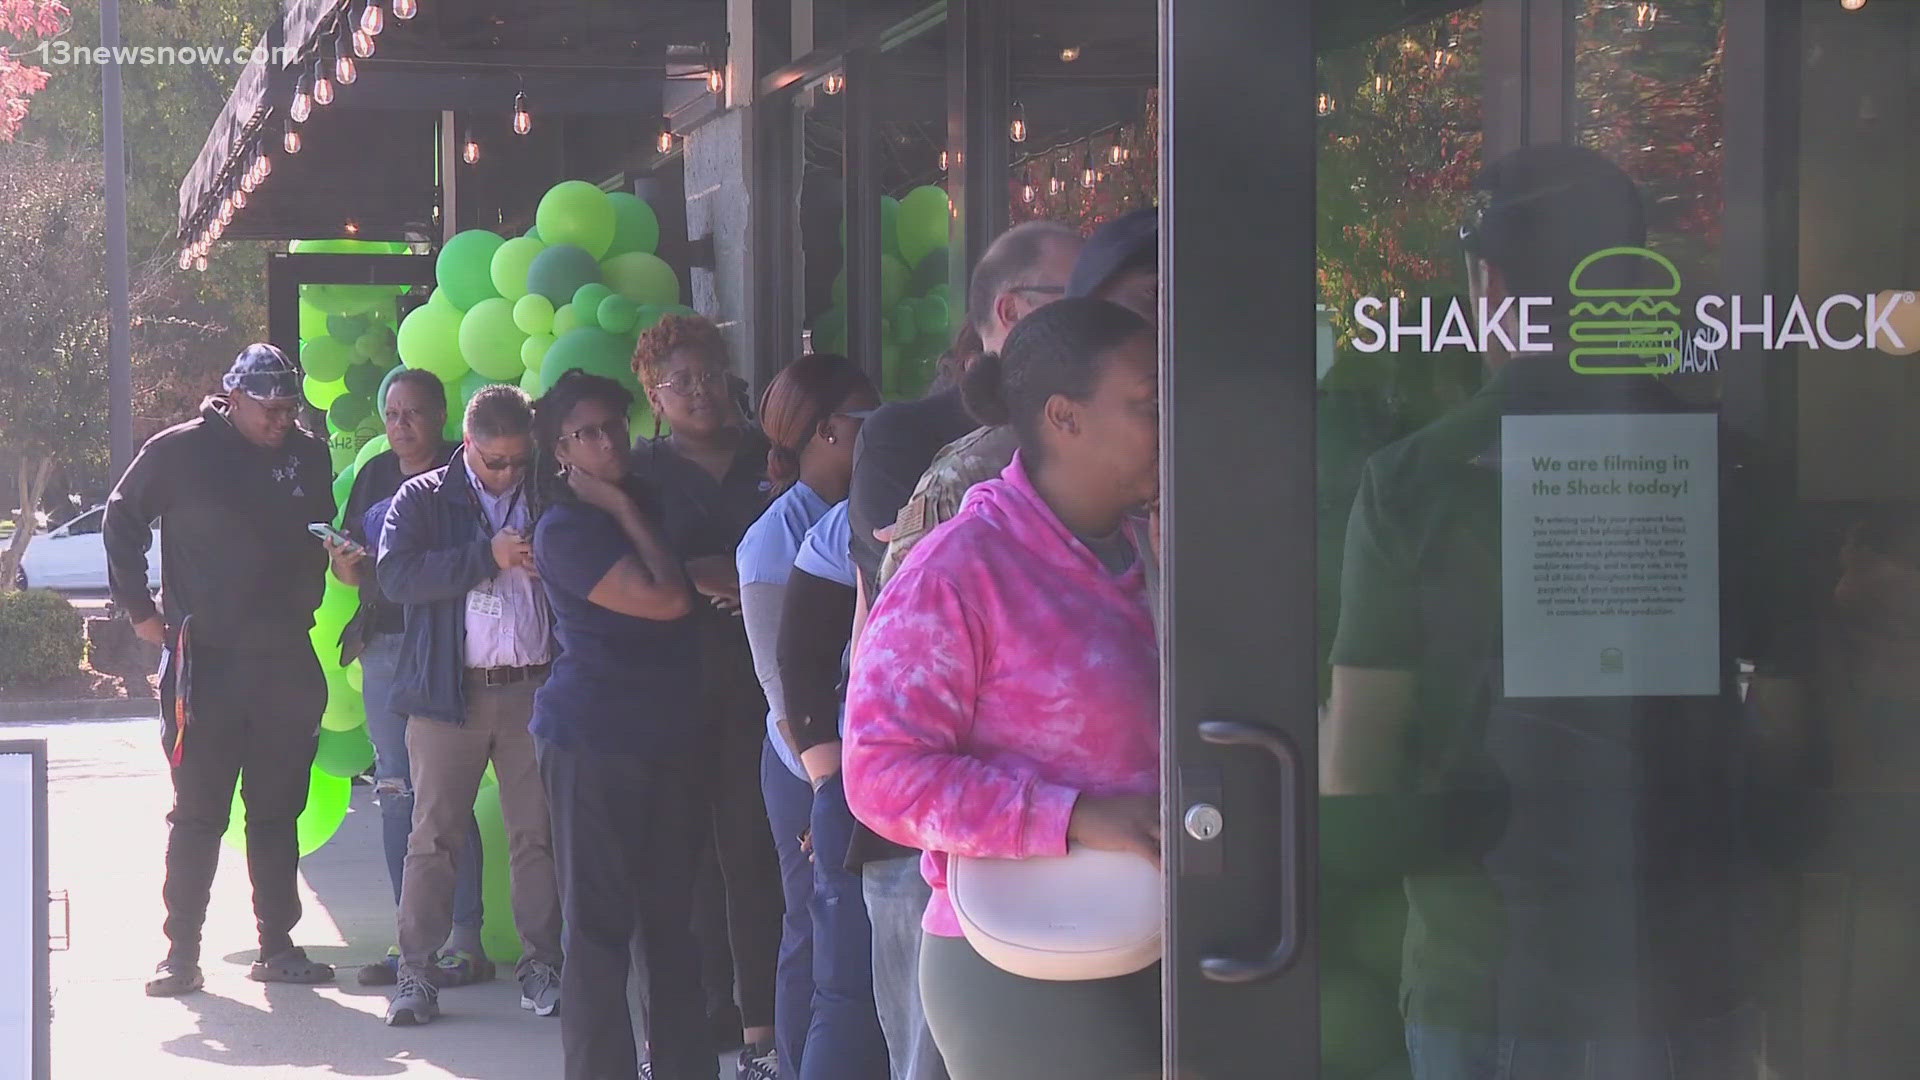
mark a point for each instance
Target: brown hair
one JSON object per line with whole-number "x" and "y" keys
{"x": 797, "y": 402}
{"x": 952, "y": 364}
{"x": 672, "y": 334}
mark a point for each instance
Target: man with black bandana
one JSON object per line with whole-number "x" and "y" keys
{"x": 242, "y": 692}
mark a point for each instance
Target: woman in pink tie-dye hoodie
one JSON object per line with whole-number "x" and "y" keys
{"x": 1005, "y": 700}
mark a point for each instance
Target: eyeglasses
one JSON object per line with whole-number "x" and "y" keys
{"x": 1044, "y": 290}
{"x": 688, "y": 381}
{"x": 512, "y": 464}
{"x": 613, "y": 431}
{"x": 288, "y": 411}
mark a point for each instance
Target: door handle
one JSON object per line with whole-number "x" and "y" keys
{"x": 1239, "y": 969}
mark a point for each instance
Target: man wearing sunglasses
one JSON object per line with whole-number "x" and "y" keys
{"x": 456, "y": 555}
{"x": 233, "y": 490}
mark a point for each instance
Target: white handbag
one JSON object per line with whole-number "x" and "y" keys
{"x": 1085, "y": 915}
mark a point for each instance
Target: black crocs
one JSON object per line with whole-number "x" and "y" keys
{"x": 174, "y": 978}
{"x": 291, "y": 966}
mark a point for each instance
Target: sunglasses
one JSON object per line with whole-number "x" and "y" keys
{"x": 512, "y": 464}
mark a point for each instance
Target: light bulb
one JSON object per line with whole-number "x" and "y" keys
{"x": 1028, "y": 192}
{"x": 363, "y": 42}
{"x": 1323, "y": 104}
{"x": 835, "y": 82}
{"x": 944, "y": 160}
{"x": 344, "y": 70}
{"x": 353, "y": 228}
{"x": 405, "y": 9}
{"x": 186, "y": 258}
{"x": 522, "y": 119}
{"x": 1853, "y": 5}
{"x": 302, "y": 106}
{"x": 240, "y": 198}
{"x": 250, "y": 179}
{"x": 373, "y": 19}
{"x": 1116, "y": 154}
{"x": 1069, "y": 54}
{"x": 1055, "y": 185}
{"x": 290, "y": 142}
{"x": 664, "y": 143}
{"x": 1645, "y": 15}
{"x": 266, "y": 166}
{"x": 200, "y": 263}
{"x": 470, "y": 149}
{"x": 214, "y": 230}
{"x": 226, "y": 210}
{"x": 1017, "y": 123}
{"x": 322, "y": 86}
{"x": 716, "y": 80}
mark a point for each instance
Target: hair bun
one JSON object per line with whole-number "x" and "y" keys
{"x": 983, "y": 390}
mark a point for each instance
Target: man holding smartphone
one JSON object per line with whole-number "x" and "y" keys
{"x": 241, "y": 692}
{"x": 476, "y": 644}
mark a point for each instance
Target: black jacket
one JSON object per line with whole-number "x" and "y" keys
{"x": 433, "y": 553}
{"x": 236, "y": 554}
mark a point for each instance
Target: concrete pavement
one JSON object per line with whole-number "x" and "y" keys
{"x": 107, "y": 800}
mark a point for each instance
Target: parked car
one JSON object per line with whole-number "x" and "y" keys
{"x": 73, "y": 557}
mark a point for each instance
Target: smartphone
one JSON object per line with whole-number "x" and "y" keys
{"x": 324, "y": 531}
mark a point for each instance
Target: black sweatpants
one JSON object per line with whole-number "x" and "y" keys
{"x": 626, "y": 831}
{"x": 255, "y": 719}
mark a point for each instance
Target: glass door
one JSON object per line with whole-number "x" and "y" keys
{"x": 1576, "y": 737}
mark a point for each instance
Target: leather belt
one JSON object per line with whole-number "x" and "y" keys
{"x": 506, "y": 676}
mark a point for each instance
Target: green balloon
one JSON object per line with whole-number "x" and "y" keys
{"x": 326, "y": 358}
{"x": 889, "y": 224}
{"x": 363, "y": 380}
{"x": 592, "y": 350}
{"x": 934, "y": 316}
{"x": 642, "y": 278}
{"x": 576, "y": 212}
{"x": 534, "y": 350}
{"x": 347, "y": 327}
{"x": 559, "y": 271}
{"x": 497, "y": 935}
{"x": 925, "y": 220}
{"x": 335, "y": 299}
{"x": 490, "y": 341}
{"x": 530, "y": 383}
{"x": 348, "y": 410}
{"x": 380, "y": 394}
{"x": 344, "y": 753}
{"x": 635, "y": 226}
{"x": 586, "y": 299}
{"x": 369, "y": 450}
{"x": 1360, "y": 1026}
{"x": 533, "y": 234}
{"x": 377, "y": 345}
{"x": 321, "y": 393}
{"x": 510, "y": 263}
{"x": 464, "y": 268}
{"x": 616, "y": 314}
{"x": 342, "y": 245}
{"x": 340, "y": 448}
{"x": 343, "y": 483}
{"x": 475, "y": 382}
{"x": 893, "y": 281}
{"x": 566, "y": 317}
{"x": 455, "y": 429}
{"x": 931, "y": 270}
{"x": 313, "y": 322}
{"x": 533, "y": 314}
{"x": 429, "y": 339}
{"x": 840, "y": 289}
{"x": 906, "y": 323}
{"x": 327, "y": 799}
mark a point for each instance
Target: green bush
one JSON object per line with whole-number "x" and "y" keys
{"x": 42, "y": 638}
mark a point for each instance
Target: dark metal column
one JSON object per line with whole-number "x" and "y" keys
{"x": 862, "y": 180}
{"x": 978, "y": 95}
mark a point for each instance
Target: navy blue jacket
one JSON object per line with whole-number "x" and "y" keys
{"x": 433, "y": 552}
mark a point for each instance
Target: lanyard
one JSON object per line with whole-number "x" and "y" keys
{"x": 480, "y": 506}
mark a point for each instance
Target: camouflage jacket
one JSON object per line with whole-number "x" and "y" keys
{"x": 981, "y": 454}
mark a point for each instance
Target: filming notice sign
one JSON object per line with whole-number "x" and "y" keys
{"x": 1610, "y": 555}
{"x": 23, "y": 911}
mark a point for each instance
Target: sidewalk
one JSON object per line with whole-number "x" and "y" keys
{"x": 107, "y": 800}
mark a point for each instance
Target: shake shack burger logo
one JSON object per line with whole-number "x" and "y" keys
{"x": 1613, "y": 329}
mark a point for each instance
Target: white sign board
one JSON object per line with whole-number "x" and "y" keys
{"x": 1610, "y": 555}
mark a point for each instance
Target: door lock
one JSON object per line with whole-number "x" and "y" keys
{"x": 1203, "y": 821}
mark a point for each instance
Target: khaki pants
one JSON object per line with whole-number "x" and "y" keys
{"x": 448, "y": 762}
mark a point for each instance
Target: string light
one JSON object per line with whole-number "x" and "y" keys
{"x": 240, "y": 197}
{"x": 373, "y": 19}
{"x": 1382, "y": 84}
{"x": 322, "y": 86}
{"x": 266, "y": 166}
{"x": 302, "y": 105}
{"x": 1017, "y": 123}
{"x": 1088, "y": 176}
{"x": 1323, "y": 104}
{"x": 835, "y": 82}
{"x": 405, "y": 9}
{"x": 1645, "y": 15}
{"x": 200, "y": 263}
{"x": 716, "y": 80}
{"x": 363, "y": 42}
{"x": 1055, "y": 185}
{"x": 352, "y": 227}
{"x": 470, "y": 148}
{"x": 1028, "y": 192}
{"x": 1853, "y": 5}
{"x": 664, "y": 143}
{"x": 1069, "y": 54}
{"x": 944, "y": 161}
{"x": 345, "y": 71}
{"x": 1116, "y": 153}
{"x": 186, "y": 258}
{"x": 522, "y": 119}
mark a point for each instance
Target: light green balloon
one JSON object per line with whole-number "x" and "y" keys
{"x": 343, "y": 753}
{"x": 594, "y": 351}
{"x": 924, "y": 223}
{"x": 511, "y": 261}
{"x": 376, "y": 345}
{"x": 533, "y": 314}
{"x": 327, "y": 799}
{"x": 313, "y": 322}
{"x": 642, "y": 278}
{"x": 429, "y": 339}
{"x": 374, "y": 448}
{"x": 530, "y": 382}
{"x": 490, "y": 341}
{"x": 906, "y": 323}
{"x": 533, "y": 350}
{"x": 576, "y": 212}
{"x": 321, "y": 393}
{"x": 617, "y": 314}
{"x": 464, "y": 267}
{"x": 326, "y": 358}
{"x": 635, "y": 226}
{"x": 586, "y": 299}
{"x": 893, "y": 281}
{"x": 565, "y": 318}
{"x": 497, "y": 935}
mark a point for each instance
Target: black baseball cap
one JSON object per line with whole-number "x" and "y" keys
{"x": 1128, "y": 242}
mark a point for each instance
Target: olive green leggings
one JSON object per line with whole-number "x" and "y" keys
{"x": 991, "y": 1025}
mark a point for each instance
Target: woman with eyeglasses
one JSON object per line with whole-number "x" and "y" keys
{"x": 825, "y": 1022}
{"x": 618, "y": 733}
{"x": 710, "y": 472}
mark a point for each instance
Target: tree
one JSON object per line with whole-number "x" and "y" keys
{"x": 53, "y": 331}
{"x": 26, "y": 21}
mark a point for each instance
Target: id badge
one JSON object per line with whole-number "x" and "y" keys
{"x": 484, "y": 604}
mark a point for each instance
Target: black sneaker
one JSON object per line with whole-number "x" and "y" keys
{"x": 174, "y": 978}
{"x": 759, "y": 1063}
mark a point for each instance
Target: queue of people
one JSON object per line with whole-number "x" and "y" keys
{"x": 737, "y": 736}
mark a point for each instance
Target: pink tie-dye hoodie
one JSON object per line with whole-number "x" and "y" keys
{"x": 1003, "y": 672}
